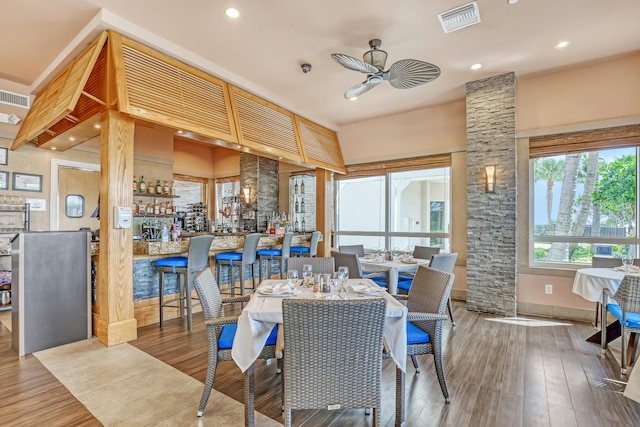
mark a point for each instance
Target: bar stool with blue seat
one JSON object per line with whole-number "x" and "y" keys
{"x": 309, "y": 251}
{"x": 239, "y": 259}
{"x": 280, "y": 255}
{"x": 185, "y": 268}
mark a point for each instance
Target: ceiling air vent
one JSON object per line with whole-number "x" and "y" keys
{"x": 460, "y": 17}
{"x": 15, "y": 99}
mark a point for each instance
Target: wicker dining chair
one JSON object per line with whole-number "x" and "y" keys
{"x": 626, "y": 309}
{"x": 352, "y": 249}
{"x": 221, "y": 330}
{"x": 427, "y": 302}
{"x": 421, "y": 252}
{"x": 379, "y": 277}
{"x": 603, "y": 262}
{"x": 332, "y": 356}
{"x": 323, "y": 265}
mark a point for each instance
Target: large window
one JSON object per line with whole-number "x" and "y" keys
{"x": 584, "y": 204}
{"x": 397, "y": 210}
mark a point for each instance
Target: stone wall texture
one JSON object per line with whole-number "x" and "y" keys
{"x": 491, "y": 217}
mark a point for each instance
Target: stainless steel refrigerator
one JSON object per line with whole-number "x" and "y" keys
{"x": 51, "y": 289}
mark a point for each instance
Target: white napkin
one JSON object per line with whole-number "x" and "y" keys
{"x": 362, "y": 288}
{"x": 410, "y": 260}
{"x": 277, "y": 289}
{"x": 632, "y": 268}
{"x": 332, "y": 297}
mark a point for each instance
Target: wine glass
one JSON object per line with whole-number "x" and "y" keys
{"x": 627, "y": 262}
{"x": 343, "y": 275}
{"x": 292, "y": 277}
{"x": 307, "y": 273}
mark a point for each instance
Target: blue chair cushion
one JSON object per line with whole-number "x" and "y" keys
{"x": 229, "y": 256}
{"x": 299, "y": 248}
{"x": 416, "y": 335}
{"x": 379, "y": 283}
{"x": 225, "y": 340}
{"x": 173, "y": 262}
{"x": 405, "y": 285}
{"x": 269, "y": 252}
{"x": 633, "y": 319}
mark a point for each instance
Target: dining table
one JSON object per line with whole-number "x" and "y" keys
{"x": 264, "y": 311}
{"x": 392, "y": 268}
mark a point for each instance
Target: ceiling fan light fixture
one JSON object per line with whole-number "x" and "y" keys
{"x": 376, "y": 57}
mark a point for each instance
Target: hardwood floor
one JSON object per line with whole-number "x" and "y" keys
{"x": 499, "y": 374}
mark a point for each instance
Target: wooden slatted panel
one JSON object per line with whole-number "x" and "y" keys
{"x": 401, "y": 165}
{"x": 590, "y": 140}
{"x": 91, "y": 102}
{"x": 162, "y": 90}
{"x": 59, "y": 98}
{"x": 264, "y": 126}
{"x": 321, "y": 146}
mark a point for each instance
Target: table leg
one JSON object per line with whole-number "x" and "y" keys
{"x": 400, "y": 387}
{"x": 392, "y": 281}
{"x": 249, "y": 398}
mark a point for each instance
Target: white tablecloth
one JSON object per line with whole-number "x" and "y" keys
{"x": 392, "y": 268}
{"x": 590, "y": 282}
{"x": 262, "y": 313}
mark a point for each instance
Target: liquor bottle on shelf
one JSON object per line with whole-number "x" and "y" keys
{"x": 156, "y": 207}
{"x": 158, "y": 187}
{"x": 296, "y": 188}
{"x": 297, "y": 226}
{"x": 297, "y": 205}
{"x": 142, "y": 187}
{"x": 165, "y": 191}
{"x": 303, "y": 225}
{"x": 135, "y": 184}
{"x": 134, "y": 208}
{"x": 302, "y": 206}
{"x": 302, "y": 187}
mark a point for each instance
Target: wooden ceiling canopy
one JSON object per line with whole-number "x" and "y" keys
{"x": 115, "y": 72}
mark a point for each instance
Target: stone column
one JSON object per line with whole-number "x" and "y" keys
{"x": 261, "y": 176}
{"x": 491, "y": 217}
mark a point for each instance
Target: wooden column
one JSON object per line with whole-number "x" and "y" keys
{"x": 323, "y": 210}
{"x": 116, "y": 321}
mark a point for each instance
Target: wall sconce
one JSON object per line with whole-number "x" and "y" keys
{"x": 247, "y": 194}
{"x": 491, "y": 178}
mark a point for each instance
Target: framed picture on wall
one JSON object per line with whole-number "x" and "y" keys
{"x": 27, "y": 182}
{"x": 4, "y": 153}
{"x": 4, "y": 180}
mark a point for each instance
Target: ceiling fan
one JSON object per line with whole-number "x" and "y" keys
{"x": 403, "y": 74}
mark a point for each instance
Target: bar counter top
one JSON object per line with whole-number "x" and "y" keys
{"x": 222, "y": 242}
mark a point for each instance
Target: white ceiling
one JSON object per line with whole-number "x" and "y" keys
{"x": 262, "y": 50}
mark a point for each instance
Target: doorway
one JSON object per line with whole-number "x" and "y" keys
{"x": 75, "y": 187}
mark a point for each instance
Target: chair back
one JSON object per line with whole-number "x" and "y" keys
{"x": 209, "y": 294}
{"x": 313, "y": 244}
{"x": 444, "y": 262}
{"x": 249, "y": 248}
{"x": 323, "y": 265}
{"x": 286, "y": 245}
{"x": 333, "y": 352}
{"x": 352, "y": 249}
{"x": 429, "y": 293}
{"x": 199, "y": 247}
{"x": 628, "y": 295}
{"x": 425, "y": 252}
{"x": 605, "y": 262}
{"x": 350, "y": 260}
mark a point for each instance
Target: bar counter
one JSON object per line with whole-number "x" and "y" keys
{"x": 146, "y": 278}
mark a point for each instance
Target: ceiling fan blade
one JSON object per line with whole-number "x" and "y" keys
{"x": 411, "y": 73}
{"x": 353, "y": 63}
{"x": 359, "y": 89}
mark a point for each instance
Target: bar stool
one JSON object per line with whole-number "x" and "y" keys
{"x": 239, "y": 259}
{"x": 280, "y": 255}
{"x": 310, "y": 250}
{"x": 185, "y": 268}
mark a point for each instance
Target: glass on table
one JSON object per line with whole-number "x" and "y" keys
{"x": 292, "y": 277}
{"x": 307, "y": 274}
{"x": 343, "y": 276}
{"x": 627, "y": 262}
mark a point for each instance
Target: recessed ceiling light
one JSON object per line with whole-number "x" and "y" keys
{"x": 71, "y": 139}
{"x": 512, "y": 1}
{"x": 179, "y": 132}
{"x": 97, "y": 126}
{"x": 232, "y": 13}
{"x": 476, "y": 66}
{"x": 563, "y": 44}
{"x": 53, "y": 148}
